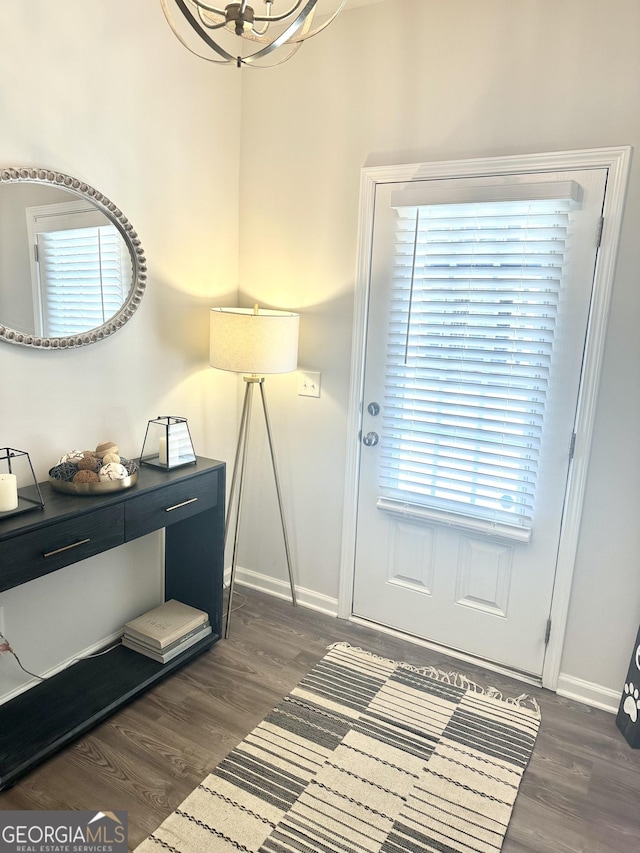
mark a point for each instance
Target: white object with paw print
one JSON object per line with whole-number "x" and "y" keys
{"x": 632, "y": 701}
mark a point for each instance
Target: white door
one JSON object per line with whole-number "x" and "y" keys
{"x": 478, "y": 307}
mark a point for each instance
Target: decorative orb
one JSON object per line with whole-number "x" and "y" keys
{"x": 86, "y": 477}
{"x": 113, "y": 471}
{"x": 89, "y": 463}
{"x": 65, "y": 471}
{"x": 130, "y": 465}
{"x": 71, "y": 456}
{"x": 106, "y": 447}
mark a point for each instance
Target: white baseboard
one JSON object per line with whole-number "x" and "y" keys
{"x": 281, "y": 589}
{"x": 588, "y": 693}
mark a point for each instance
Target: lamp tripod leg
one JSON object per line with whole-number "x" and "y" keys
{"x": 277, "y": 481}
{"x": 241, "y": 454}
{"x": 236, "y": 468}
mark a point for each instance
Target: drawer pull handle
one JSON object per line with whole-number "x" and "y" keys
{"x": 66, "y": 548}
{"x": 184, "y": 503}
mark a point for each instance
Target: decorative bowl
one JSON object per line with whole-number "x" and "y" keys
{"x": 101, "y": 488}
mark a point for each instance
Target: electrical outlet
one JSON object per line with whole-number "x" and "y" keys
{"x": 308, "y": 383}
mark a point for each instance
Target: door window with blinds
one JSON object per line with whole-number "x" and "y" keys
{"x": 81, "y": 269}
{"x": 477, "y": 284}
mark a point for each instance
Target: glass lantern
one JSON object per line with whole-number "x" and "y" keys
{"x": 167, "y": 444}
{"x": 19, "y": 489}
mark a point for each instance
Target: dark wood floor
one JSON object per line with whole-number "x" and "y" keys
{"x": 580, "y": 793}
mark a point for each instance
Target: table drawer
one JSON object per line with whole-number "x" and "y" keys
{"x": 23, "y": 558}
{"x": 173, "y": 503}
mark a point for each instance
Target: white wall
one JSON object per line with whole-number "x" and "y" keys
{"x": 103, "y": 91}
{"x": 410, "y": 80}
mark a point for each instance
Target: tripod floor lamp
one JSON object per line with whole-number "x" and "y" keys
{"x": 254, "y": 342}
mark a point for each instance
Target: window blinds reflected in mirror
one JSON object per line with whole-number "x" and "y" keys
{"x": 82, "y": 279}
{"x": 81, "y": 269}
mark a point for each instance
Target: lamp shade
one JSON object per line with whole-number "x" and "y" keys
{"x": 246, "y": 340}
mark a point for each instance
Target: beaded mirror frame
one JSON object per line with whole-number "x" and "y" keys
{"x": 131, "y": 239}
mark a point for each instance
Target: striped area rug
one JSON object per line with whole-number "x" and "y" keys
{"x": 365, "y": 755}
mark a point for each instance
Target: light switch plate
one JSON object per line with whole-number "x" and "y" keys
{"x": 308, "y": 383}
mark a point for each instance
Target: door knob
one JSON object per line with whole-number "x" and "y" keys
{"x": 371, "y": 439}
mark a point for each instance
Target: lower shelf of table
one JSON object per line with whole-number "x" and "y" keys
{"x": 41, "y": 721}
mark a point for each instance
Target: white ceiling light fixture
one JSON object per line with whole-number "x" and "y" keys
{"x": 276, "y": 33}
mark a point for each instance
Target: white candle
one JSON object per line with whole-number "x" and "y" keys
{"x": 162, "y": 450}
{"x": 8, "y": 492}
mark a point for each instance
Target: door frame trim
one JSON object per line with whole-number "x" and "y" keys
{"x": 617, "y": 160}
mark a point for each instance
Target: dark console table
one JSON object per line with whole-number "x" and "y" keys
{"x": 189, "y": 504}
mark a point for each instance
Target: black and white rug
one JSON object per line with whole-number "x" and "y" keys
{"x": 365, "y": 755}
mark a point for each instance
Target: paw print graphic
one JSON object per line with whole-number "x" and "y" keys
{"x": 631, "y": 702}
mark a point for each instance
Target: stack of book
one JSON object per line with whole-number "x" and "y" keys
{"x": 166, "y": 631}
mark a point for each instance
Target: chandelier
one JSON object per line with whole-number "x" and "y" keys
{"x": 215, "y": 33}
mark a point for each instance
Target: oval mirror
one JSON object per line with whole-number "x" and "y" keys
{"x": 72, "y": 270}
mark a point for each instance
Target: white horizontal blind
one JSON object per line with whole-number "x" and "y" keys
{"x": 82, "y": 279}
{"x": 474, "y": 306}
